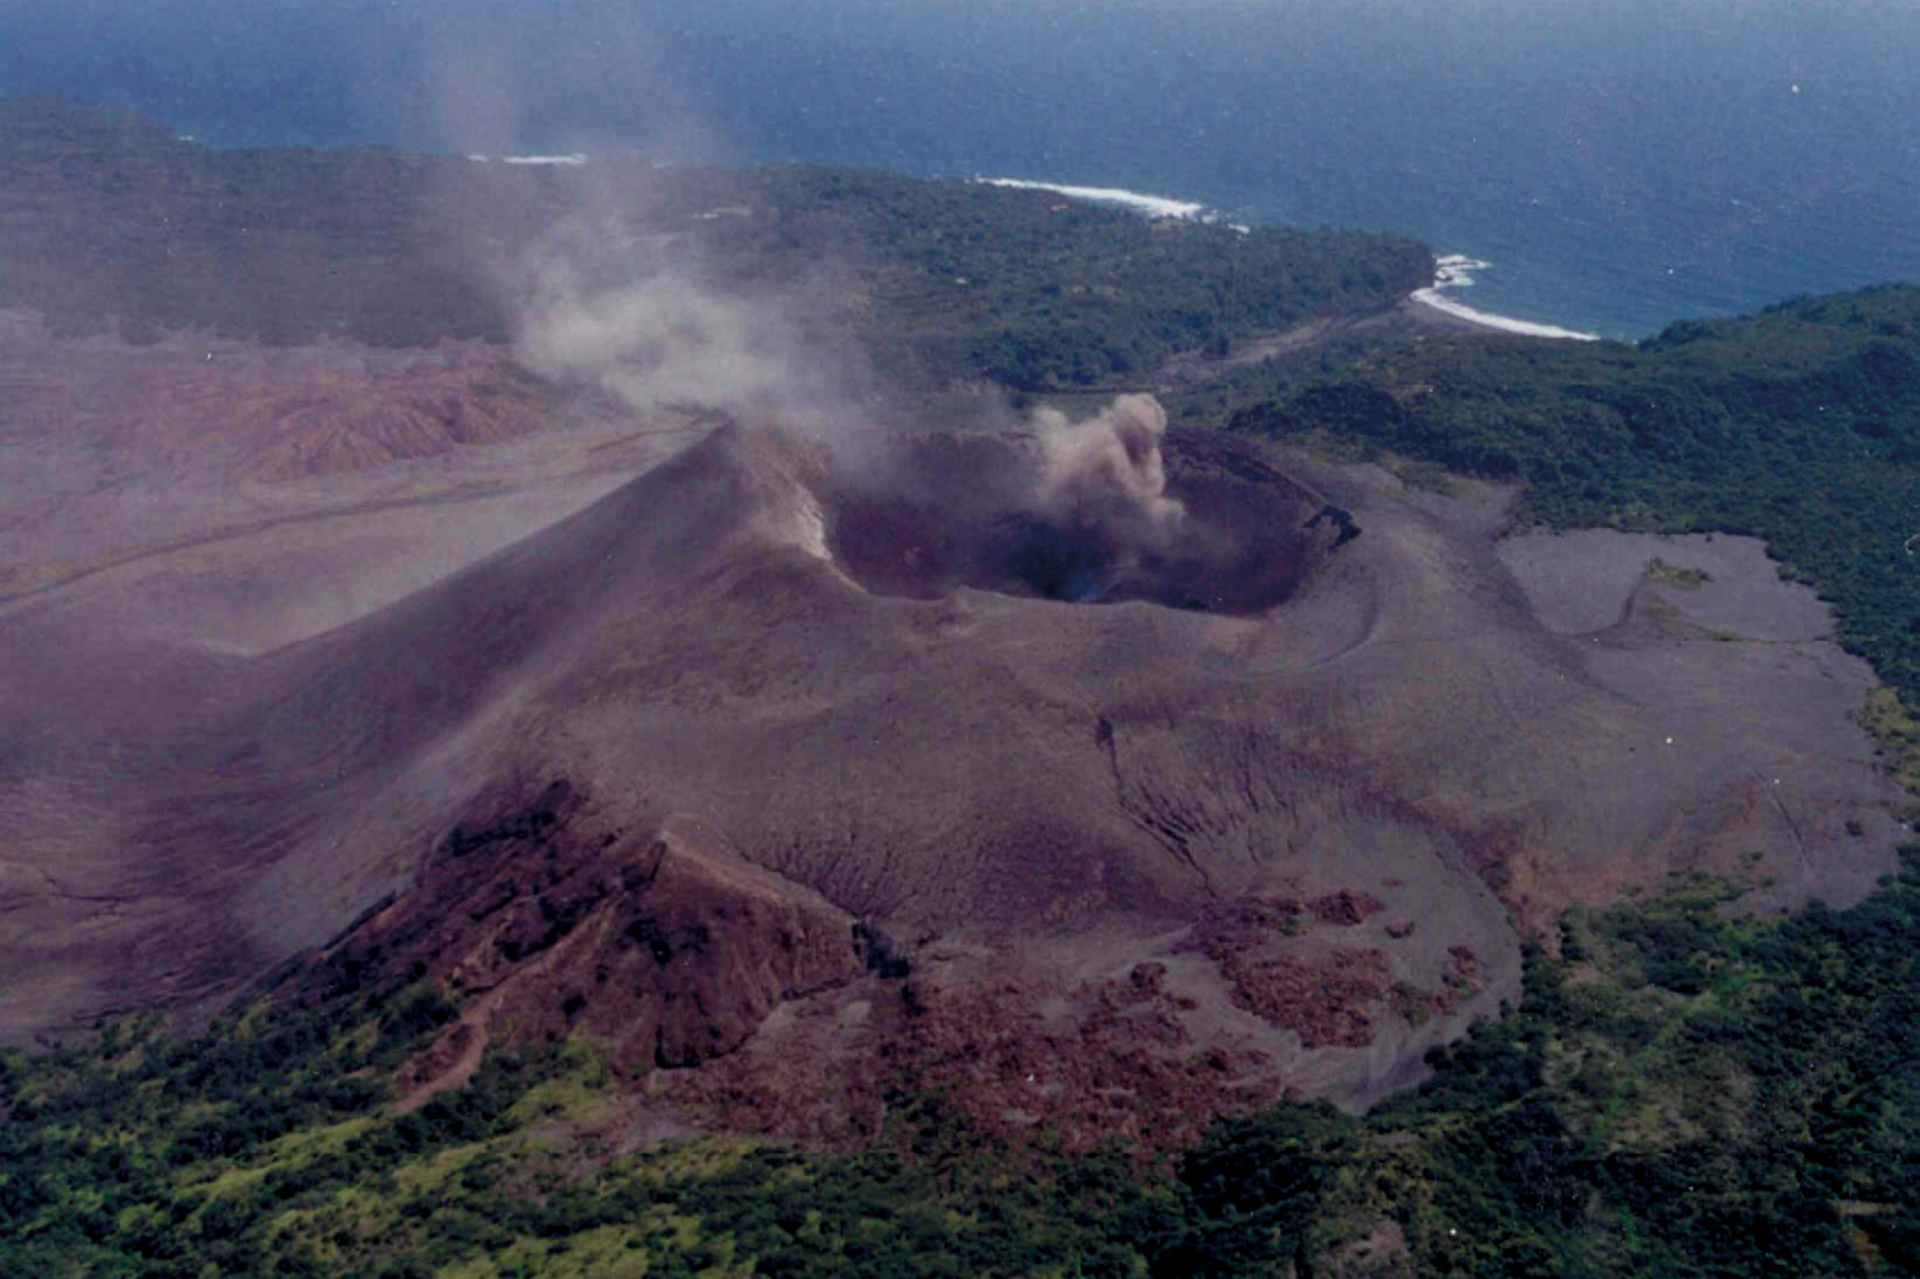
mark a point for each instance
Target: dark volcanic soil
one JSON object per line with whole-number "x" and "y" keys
{"x": 842, "y": 771}
{"x": 961, "y": 511}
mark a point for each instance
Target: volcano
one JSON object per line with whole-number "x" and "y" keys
{"x": 791, "y": 757}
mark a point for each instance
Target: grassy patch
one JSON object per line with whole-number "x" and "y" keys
{"x": 1664, "y": 574}
{"x": 1886, "y": 716}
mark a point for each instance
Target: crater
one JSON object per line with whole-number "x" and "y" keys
{"x": 1225, "y": 532}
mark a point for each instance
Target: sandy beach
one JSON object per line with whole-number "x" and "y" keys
{"x": 1456, "y": 271}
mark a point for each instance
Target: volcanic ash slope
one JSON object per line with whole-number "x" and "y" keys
{"x": 765, "y": 767}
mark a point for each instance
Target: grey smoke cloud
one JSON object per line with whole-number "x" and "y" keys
{"x": 649, "y": 332}
{"x": 616, "y": 297}
{"x": 1107, "y": 472}
{"x": 607, "y": 295}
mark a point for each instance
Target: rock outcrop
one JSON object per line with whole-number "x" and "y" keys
{"x": 658, "y": 944}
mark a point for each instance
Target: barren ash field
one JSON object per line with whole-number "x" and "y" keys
{"x": 623, "y": 713}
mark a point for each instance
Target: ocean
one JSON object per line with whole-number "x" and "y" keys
{"x": 1609, "y": 166}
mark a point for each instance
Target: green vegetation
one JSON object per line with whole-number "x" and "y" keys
{"x": 1038, "y": 294}
{"x": 261, "y": 1147}
{"x": 106, "y": 218}
{"x": 1687, "y": 579}
{"x": 1800, "y": 426}
{"x": 1894, "y": 727}
{"x": 1686, "y": 1091}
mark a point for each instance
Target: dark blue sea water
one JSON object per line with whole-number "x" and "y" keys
{"x": 1621, "y": 163}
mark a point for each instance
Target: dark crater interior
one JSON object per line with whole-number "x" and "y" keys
{"x": 949, "y": 510}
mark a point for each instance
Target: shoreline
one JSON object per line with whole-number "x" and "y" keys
{"x": 1451, "y": 270}
{"x": 1455, "y": 271}
{"x": 1158, "y": 206}
{"x": 1152, "y": 206}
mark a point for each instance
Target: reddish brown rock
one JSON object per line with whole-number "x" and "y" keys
{"x": 966, "y": 750}
{"x": 662, "y": 945}
{"x": 1119, "y": 1069}
{"x": 1346, "y": 908}
{"x": 1323, "y": 997}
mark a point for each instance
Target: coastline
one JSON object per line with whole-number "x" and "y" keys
{"x": 1455, "y": 271}
{"x": 568, "y": 160}
{"x": 1451, "y": 270}
{"x": 1156, "y": 206}
{"x": 1152, "y": 206}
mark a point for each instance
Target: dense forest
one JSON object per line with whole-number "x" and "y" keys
{"x": 1037, "y": 293}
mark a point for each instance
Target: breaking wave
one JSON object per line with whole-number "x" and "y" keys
{"x": 1153, "y": 206}
{"x": 1455, "y": 271}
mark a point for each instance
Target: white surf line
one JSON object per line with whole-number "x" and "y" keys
{"x": 1157, "y": 206}
{"x": 1455, "y": 271}
{"x": 1153, "y": 206}
{"x": 575, "y": 158}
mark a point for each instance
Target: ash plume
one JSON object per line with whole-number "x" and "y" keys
{"x": 1107, "y": 472}
{"x": 634, "y": 316}
{"x": 605, "y": 280}
{"x": 1097, "y": 508}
